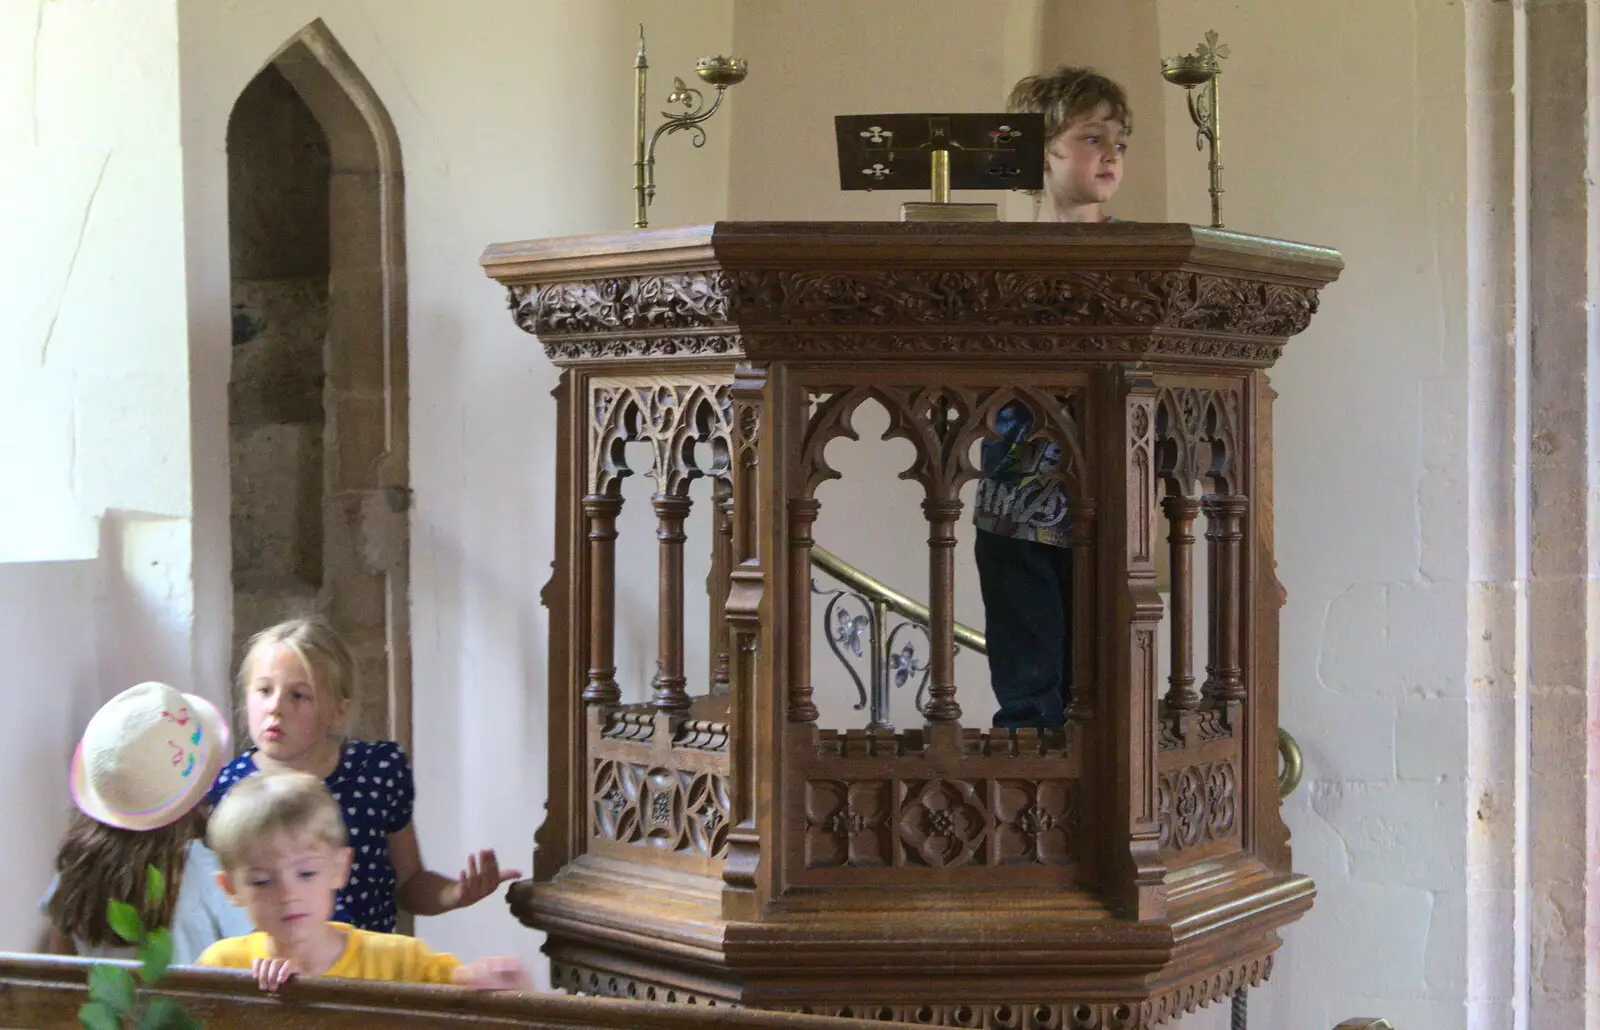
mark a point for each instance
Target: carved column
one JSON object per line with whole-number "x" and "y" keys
{"x": 1180, "y": 512}
{"x": 601, "y": 512}
{"x": 1224, "y": 675}
{"x": 669, "y": 686}
{"x": 747, "y": 673}
{"x": 942, "y": 516}
{"x": 802, "y": 516}
{"x": 1135, "y": 869}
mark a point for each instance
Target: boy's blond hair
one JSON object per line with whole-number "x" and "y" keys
{"x": 272, "y": 803}
{"x": 1067, "y": 94}
{"x": 319, "y": 647}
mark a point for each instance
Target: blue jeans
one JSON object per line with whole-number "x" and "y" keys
{"x": 1027, "y": 600}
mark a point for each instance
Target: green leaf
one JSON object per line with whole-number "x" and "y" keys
{"x": 155, "y": 887}
{"x": 155, "y": 955}
{"x": 124, "y": 921}
{"x": 166, "y": 1014}
{"x": 112, "y": 986}
{"x": 96, "y": 1015}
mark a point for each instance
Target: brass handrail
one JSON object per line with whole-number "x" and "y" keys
{"x": 835, "y": 566}
{"x": 896, "y": 602}
{"x": 1293, "y": 763}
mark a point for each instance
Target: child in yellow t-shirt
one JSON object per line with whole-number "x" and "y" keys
{"x": 281, "y": 844}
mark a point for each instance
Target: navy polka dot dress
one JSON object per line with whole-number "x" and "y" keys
{"x": 374, "y": 788}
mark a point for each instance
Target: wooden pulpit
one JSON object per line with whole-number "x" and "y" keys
{"x": 714, "y": 843}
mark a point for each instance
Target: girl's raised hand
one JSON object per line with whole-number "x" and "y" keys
{"x": 272, "y": 973}
{"x": 481, "y": 878}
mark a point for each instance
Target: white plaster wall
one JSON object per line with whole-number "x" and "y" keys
{"x": 1345, "y": 125}
{"x": 93, "y": 354}
{"x": 513, "y": 118}
{"x": 96, "y": 585}
{"x": 51, "y": 684}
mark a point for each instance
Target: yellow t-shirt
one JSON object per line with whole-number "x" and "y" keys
{"x": 367, "y": 956}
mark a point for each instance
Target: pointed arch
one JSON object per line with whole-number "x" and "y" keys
{"x": 365, "y": 581}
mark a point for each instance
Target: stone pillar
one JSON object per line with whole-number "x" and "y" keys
{"x": 1495, "y": 979}
{"x": 1534, "y": 761}
{"x": 1561, "y": 507}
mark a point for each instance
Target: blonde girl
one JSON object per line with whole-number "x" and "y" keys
{"x": 297, "y": 681}
{"x": 137, "y": 778}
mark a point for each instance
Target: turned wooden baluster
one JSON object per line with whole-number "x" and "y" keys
{"x": 1081, "y": 512}
{"x": 802, "y": 516}
{"x": 942, "y": 516}
{"x": 601, "y": 512}
{"x": 1180, "y": 512}
{"x": 717, "y": 583}
{"x": 669, "y": 693}
{"x": 1224, "y": 533}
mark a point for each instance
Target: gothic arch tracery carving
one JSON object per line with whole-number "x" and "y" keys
{"x": 942, "y": 424}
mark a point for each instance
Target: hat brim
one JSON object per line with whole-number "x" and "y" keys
{"x": 214, "y": 742}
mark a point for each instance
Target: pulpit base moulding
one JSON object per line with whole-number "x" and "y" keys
{"x": 714, "y": 841}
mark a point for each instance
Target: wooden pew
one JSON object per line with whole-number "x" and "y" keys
{"x": 40, "y": 992}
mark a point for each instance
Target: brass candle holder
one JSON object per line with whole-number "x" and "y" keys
{"x": 720, "y": 72}
{"x": 1199, "y": 74}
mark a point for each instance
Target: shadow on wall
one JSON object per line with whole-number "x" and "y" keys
{"x": 51, "y": 685}
{"x": 73, "y": 634}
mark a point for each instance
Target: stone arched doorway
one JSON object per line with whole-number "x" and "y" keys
{"x": 318, "y": 393}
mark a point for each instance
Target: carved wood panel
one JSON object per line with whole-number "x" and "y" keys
{"x": 663, "y": 808}
{"x": 942, "y": 423}
{"x": 1199, "y": 439}
{"x": 659, "y": 787}
{"x": 1198, "y": 805}
{"x": 688, "y": 424}
{"x": 876, "y": 810}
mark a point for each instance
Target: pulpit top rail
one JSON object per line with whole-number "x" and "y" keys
{"x": 845, "y": 245}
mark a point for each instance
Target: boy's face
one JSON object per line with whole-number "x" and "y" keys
{"x": 288, "y": 883}
{"x": 1083, "y": 163}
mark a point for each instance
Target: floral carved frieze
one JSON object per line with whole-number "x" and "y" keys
{"x": 1197, "y": 804}
{"x": 940, "y": 822}
{"x": 1121, "y": 298}
{"x": 924, "y": 312}
{"x": 680, "y": 300}
{"x": 661, "y": 808}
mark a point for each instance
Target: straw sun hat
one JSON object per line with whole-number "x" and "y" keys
{"x": 147, "y": 757}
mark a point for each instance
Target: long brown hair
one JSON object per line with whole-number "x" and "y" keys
{"x": 99, "y": 863}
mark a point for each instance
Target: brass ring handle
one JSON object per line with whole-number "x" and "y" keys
{"x": 1293, "y": 764}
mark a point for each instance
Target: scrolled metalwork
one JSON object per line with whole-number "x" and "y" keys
{"x": 858, "y": 630}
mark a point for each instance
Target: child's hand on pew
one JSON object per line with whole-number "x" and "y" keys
{"x": 494, "y": 974}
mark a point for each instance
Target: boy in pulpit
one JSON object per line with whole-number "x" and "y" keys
{"x": 1023, "y": 545}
